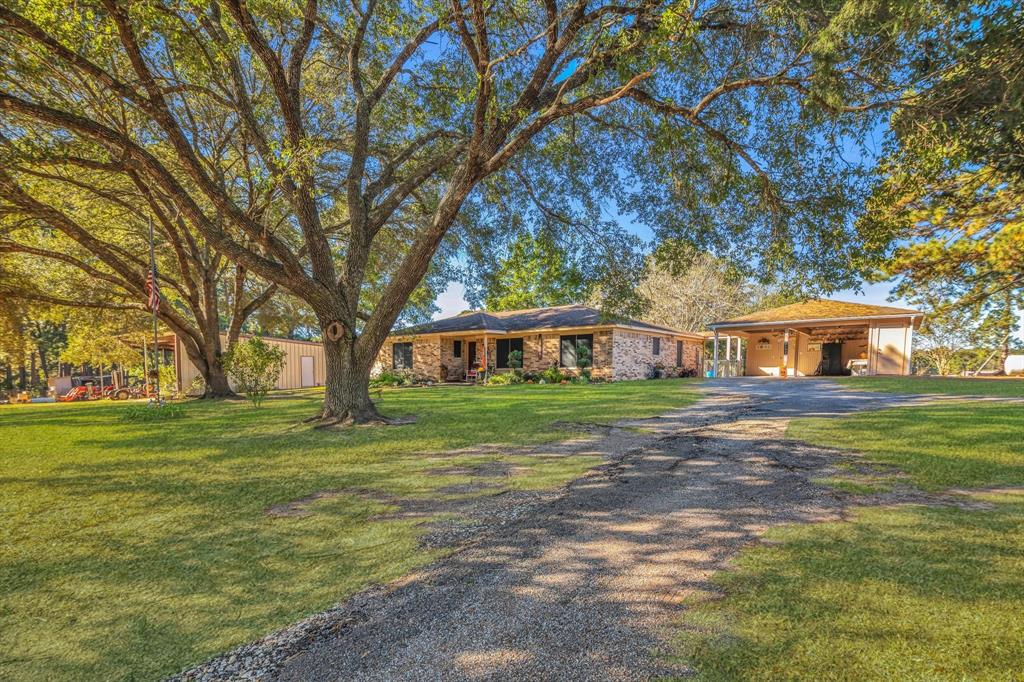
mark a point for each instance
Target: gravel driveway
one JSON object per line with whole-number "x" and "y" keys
{"x": 588, "y": 585}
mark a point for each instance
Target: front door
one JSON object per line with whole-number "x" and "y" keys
{"x": 832, "y": 359}
{"x": 308, "y": 378}
{"x": 472, "y": 364}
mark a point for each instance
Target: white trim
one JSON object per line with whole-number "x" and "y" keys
{"x": 812, "y": 320}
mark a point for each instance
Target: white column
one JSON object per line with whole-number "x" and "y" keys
{"x": 714, "y": 362}
{"x": 785, "y": 350}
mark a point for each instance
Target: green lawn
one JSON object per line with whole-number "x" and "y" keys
{"x": 899, "y": 593}
{"x": 945, "y": 445}
{"x": 904, "y": 592}
{"x": 131, "y": 550}
{"x": 1008, "y": 387}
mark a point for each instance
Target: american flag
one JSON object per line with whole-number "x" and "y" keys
{"x": 153, "y": 291}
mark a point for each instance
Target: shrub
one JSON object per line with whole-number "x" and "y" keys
{"x": 197, "y": 386}
{"x": 392, "y": 378}
{"x": 687, "y": 372}
{"x": 504, "y": 378}
{"x": 255, "y": 366}
{"x": 515, "y": 359}
{"x": 552, "y": 375}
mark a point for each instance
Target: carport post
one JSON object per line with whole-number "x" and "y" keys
{"x": 714, "y": 363}
{"x": 785, "y": 350}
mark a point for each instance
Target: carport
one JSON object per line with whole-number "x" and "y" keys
{"x": 822, "y": 337}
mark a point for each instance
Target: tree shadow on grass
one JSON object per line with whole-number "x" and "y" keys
{"x": 915, "y": 591}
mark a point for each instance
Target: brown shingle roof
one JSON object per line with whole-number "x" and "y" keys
{"x": 509, "y": 321}
{"x": 817, "y": 309}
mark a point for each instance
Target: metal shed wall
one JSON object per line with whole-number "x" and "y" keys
{"x": 291, "y": 372}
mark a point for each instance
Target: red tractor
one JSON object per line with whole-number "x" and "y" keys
{"x": 86, "y": 392}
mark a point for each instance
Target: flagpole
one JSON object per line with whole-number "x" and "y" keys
{"x": 156, "y": 337}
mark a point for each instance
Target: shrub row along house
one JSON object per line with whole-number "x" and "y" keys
{"x": 454, "y": 348}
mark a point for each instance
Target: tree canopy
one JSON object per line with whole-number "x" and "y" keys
{"x": 947, "y": 208}
{"x": 535, "y": 273}
{"x": 347, "y": 151}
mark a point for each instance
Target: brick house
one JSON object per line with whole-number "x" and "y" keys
{"x": 444, "y": 350}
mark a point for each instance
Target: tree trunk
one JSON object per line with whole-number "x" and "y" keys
{"x": 217, "y": 385}
{"x": 213, "y": 368}
{"x": 347, "y": 386}
{"x": 204, "y": 353}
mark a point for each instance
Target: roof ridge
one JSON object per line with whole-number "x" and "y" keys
{"x": 549, "y": 317}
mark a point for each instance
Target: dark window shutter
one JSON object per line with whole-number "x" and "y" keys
{"x": 656, "y": 346}
{"x": 679, "y": 353}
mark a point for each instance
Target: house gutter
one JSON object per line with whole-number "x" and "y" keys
{"x": 782, "y": 323}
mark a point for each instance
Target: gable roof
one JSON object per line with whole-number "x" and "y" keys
{"x": 508, "y": 321}
{"x": 817, "y": 310}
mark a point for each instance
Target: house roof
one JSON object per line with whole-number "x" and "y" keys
{"x": 508, "y": 321}
{"x": 816, "y": 310}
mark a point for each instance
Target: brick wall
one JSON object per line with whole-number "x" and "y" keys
{"x": 617, "y": 355}
{"x": 453, "y": 368}
{"x": 426, "y": 357}
{"x": 633, "y": 354}
{"x": 541, "y": 351}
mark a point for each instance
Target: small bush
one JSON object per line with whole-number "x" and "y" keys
{"x": 504, "y": 378}
{"x": 687, "y": 372}
{"x": 151, "y": 413}
{"x": 255, "y": 365}
{"x": 552, "y": 375}
{"x": 392, "y": 378}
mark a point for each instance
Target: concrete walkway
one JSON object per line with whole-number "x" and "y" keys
{"x": 589, "y": 586}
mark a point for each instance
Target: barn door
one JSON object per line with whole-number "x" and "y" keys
{"x": 308, "y": 378}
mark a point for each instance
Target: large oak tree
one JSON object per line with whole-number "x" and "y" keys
{"x": 375, "y": 129}
{"x": 78, "y": 237}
